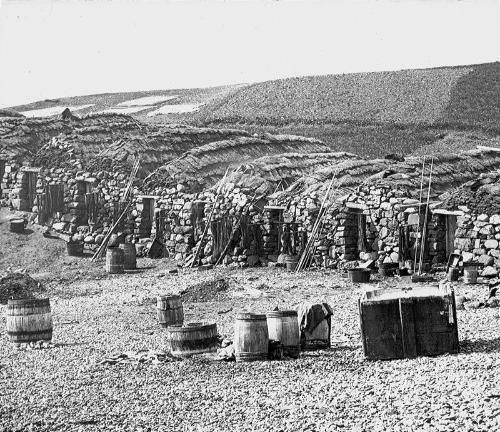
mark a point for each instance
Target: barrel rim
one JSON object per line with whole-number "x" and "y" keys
{"x": 250, "y": 316}
{"x": 282, "y": 313}
{"x": 187, "y": 328}
{"x": 45, "y": 301}
{"x": 168, "y": 296}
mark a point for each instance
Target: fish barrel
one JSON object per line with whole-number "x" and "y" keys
{"x": 291, "y": 262}
{"x": 129, "y": 256}
{"x": 29, "y": 320}
{"x": 17, "y": 225}
{"x": 470, "y": 275}
{"x": 114, "y": 260}
{"x": 283, "y": 326}
{"x": 169, "y": 310}
{"x": 193, "y": 338}
{"x": 74, "y": 249}
{"x": 251, "y": 337}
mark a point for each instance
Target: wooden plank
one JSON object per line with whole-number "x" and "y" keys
{"x": 486, "y": 148}
{"x": 407, "y": 321}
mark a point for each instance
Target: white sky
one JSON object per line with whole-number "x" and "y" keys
{"x": 51, "y": 49}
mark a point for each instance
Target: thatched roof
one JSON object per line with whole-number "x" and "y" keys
{"x": 448, "y": 171}
{"x": 206, "y": 164}
{"x": 347, "y": 176}
{"x": 481, "y": 195}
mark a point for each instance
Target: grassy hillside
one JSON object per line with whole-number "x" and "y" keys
{"x": 458, "y": 96}
{"x": 370, "y": 114}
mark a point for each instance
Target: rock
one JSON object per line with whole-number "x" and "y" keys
{"x": 486, "y": 260}
{"x": 467, "y": 256}
{"x": 99, "y": 238}
{"x": 483, "y": 218}
{"x": 459, "y": 302}
{"x": 59, "y": 226}
{"x": 472, "y": 305}
{"x": 491, "y": 244}
{"x": 495, "y": 219}
{"x": 88, "y": 239}
{"x": 493, "y": 302}
{"x": 489, "y": 272}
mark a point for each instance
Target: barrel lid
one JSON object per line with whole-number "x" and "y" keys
{"x": 281, "y": 313}
{"x": 250, "y": 316}
{"x": 359, "y": 269}
{"x": 190, "y": 327}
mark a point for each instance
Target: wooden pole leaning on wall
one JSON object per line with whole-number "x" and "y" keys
{"x": 424, "y": 228}
{"x": 419, "y": 208}
{"x": 233, "y": 231}
{"x": 100, "y": 252}
{"x": 306, "y": 252}
{"x": 209, "y": 220}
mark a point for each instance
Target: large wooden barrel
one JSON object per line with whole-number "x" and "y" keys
{"x": 169, "y": 310}
{"x": 193, "y": 338}
{"x": 405, "y": 323}
{"x": 114, "y": 260}
{"x": 29, "y": 320}
{"x": 470, "y": 273}
{"x": 283, "y": 326}
{"x": 129, "y": 256}
{"x": 17, "y": 225}
{"x": 291, "y": 262}
{"x": 251, "y": 337}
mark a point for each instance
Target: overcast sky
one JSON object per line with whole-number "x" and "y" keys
{"x": 51, "y": 49}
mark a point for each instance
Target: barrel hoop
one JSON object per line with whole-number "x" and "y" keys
{"x": 193, "y": 344}
{"x": 28, "y": 333}
{"x": 184, "y": 329}
{"x": 29, "y": 302}
{"x": 169, "y": 308}
{"x": 250, "y": 317}
{"x": 282, "y": 314}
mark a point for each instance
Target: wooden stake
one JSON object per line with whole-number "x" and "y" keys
{"x": 419, "y": 207}
{"x": 424, "y": 229}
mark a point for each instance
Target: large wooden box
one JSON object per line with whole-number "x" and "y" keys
{"x": 405, "y": 323}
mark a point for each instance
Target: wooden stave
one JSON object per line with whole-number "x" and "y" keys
{"x": 169, "y": 310}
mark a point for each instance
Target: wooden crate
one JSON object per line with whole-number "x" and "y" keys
{"x": 406, "y": 323}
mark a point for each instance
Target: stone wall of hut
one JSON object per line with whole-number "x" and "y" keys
{"x": 478, "y": 239}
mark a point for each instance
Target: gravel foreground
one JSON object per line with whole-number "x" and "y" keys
{"x": 66, "y": 387}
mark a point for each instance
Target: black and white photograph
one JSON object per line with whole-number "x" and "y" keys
{"x": 250, "y": 215}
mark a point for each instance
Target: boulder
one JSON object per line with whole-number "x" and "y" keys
{"x": 467, "y": 256}
{"x": 495, "y": 219}
{"x": 483, "y": 218}
{"x": 489, "y": 272}
{"x": 491, "y": 244}
{"x": 486, "y": 260}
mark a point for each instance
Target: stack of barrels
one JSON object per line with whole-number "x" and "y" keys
{"x": 184, "y": 340}
{"x": 121, "y": 258}
{"x": 253, "y": 332}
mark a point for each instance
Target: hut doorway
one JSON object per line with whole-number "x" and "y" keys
{"x": 451, "y": 229}
{"x": 2, "y": 172}
{"x": 31, "y": 180}
{"x": 355, "y": 238}
{"x": 147, "y": 216}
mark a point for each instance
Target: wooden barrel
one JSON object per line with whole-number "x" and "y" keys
{"x": 114, "y": 260}
{"x": 291, "y": 262}
{"x": 17, "y": 225}
{"x": 470, "y": 275}
{"x": 74, "y": 249}
{"x": 283, "y": 326}
{"x": 387, "y": 269}
{"x": 251, "y": 337}
{"x": 193, "y": 338}
{"x": 29, "y": 320}
{"x": 169, "y": 310}
{"x": 129, "y": 256}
